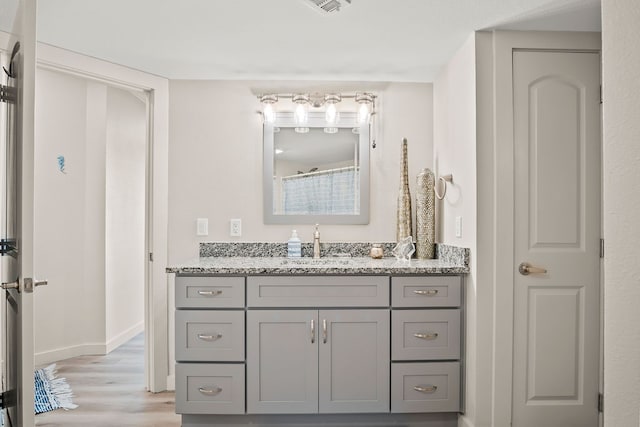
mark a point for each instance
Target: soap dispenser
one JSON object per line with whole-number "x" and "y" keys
{"x": 294, "y": 245}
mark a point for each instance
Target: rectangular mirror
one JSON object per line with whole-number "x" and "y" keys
{"x": 319, "y": 175}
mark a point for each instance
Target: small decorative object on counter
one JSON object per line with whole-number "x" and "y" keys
{"x": 425, "y": 215}
{"x": 316, "y": 243}
{"x": 404, "y": 197}
{"x": 404, "y": 249}
{"x": 294, "y": 245}
{"x": 376, "y": 251}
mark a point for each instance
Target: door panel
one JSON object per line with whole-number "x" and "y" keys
{"x": 282, "y": 361}
{"x": 354, "y": 361}
{"x": 557, "y": 228}
{"x": 17, "y": 202}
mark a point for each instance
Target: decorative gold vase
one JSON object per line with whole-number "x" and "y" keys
{"x": 404, "y": 228}
{"x": 425, "y": 215}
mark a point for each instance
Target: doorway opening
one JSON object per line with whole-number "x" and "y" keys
{"x": 91, "y": 215}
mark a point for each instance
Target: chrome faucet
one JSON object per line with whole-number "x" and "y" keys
{"x": 316, "y": 243}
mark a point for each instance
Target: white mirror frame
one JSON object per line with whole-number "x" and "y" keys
{"x": 316, "y": 120}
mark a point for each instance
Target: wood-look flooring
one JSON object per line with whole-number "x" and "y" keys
{"x": 109, "y": 391}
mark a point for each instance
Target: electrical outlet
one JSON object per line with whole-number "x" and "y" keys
{"x": 202, "y": 227}
{"x": 235, "y": 229}
{"x": 458, "y": 226}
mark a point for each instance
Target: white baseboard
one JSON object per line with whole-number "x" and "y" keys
{"x": 94, "y": 349}
{"x": 125, "y": 336}
{"x": 51, "y": 356}
{"x": 171, "y": 382}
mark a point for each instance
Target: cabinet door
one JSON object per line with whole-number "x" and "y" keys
{"x": 354, "y": 361}
{"x": 282, "y": 361}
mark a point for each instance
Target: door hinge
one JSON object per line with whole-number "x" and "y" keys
{"x": 150, "y": 256}
{"x": 600, "y": 402}
{"x": 8, "y": 94}
{"x": 601, "y": 248}
{"x": 8, "y": 247}
{"x": 600, "y": 94}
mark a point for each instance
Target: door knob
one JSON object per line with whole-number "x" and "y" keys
{"x": 525, "y": 269}
{"x": 30, "y": 283}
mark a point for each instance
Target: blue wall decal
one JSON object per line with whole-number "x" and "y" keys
{"x": 61, "y": 164}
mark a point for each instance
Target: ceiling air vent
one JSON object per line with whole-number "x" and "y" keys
{"x": 328, "y": 6}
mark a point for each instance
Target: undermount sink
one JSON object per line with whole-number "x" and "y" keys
{"x": 315, "y": 261}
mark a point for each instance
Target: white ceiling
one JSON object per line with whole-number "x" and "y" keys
{"x": 371, "y": 40}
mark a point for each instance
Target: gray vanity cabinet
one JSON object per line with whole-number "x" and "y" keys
{"x": 257, "y": 349}
{"x": 426, "y": 346}
{"x": 210, "y": 350}
{"x": 332, "y": 360}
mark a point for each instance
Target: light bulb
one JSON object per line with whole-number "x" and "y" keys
{"x": 268, "y": 113}
{"x": 301, "y": 114}
{"x": 331, "y": 114}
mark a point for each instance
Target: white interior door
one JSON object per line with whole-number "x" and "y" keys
{"x": 17, "y": 229}
{"x": 557, "y": 229}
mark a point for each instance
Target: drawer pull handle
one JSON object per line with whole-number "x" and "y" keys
{"x": 429, "y": 293}
{"x": 210, "y": 293}
{"x": 324, "y": 331}
{"x": 426, "y": 389}
{"x": 213, "y": 337}
{"x": 313, "y": 331}
{"x": 427, "y": 336}
{"x": 210, "y": 391}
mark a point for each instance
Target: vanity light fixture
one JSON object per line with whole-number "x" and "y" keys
{"x": 302, "y": 107}
{"x": 268, "y": 112}
{"x": 331, "y": 113}
{"x": 364, "y": 106}
{"x": 365, "y": 109}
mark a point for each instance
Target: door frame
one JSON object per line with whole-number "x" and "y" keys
{"x": 156, "y": 221}
{"x": 503, "y": 262}
{"x": 4, "y": 56}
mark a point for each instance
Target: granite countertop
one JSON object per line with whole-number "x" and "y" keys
{"x": 237, "y": 265}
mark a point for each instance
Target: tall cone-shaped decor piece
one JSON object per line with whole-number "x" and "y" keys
{"x": 404, "y": 228}
{"x": 425, "y": 215}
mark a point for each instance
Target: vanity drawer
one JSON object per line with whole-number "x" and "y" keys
{"x": 425, "y": 334}
{"x": 208, "y": 388}
{"x": 318, "y": 291}
{"x": 426, "y": 291}
{"x": 204, "y": 335}
{"x": 209, "y": 292}
{"x": 425, "y": 387}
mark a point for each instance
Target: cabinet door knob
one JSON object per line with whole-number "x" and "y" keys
{"x": 210, "y": 391}
{"x": 313, "y": 331}
{"x": 426, "y": 389}
{"x": 429, "y": 292}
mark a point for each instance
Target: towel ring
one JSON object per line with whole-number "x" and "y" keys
{"x": 444, "y": 179}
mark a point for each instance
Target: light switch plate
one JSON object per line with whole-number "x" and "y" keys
{"x": 202, "y": 227}
{"x": 458, "y": 226}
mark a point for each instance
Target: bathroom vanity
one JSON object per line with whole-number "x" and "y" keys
{"x": 275, "y": 341}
